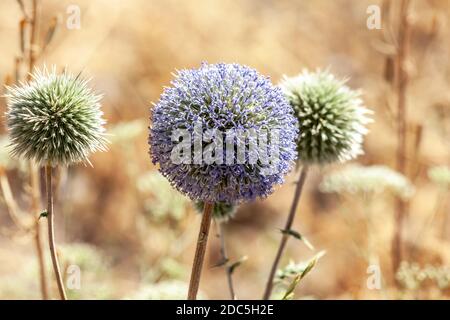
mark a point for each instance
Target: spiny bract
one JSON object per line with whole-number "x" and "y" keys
{"x": 331, "y": 116}
{"x": 221, "y": 212}
{"x": 222, "y": 97}
{"x": 55, "y": 118}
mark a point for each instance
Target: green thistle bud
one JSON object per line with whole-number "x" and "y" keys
{"x": 331, "y": 116}
{"x": 55, "y": 118}
{"x": 222, "y": 211}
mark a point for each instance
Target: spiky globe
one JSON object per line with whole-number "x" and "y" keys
{"x": 221, "y": 211}
{"x": 222, "y": 97}
{"x": 55, "y": 118}
{"x": 331, "y": 116}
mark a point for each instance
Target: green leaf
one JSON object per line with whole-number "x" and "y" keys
{"x": 221, "y": 263}
{"x": 298, "y": 236}
{"x": 289, "y": 295}
{"x": 236, "y": 264}
{"x": 43, "y": 214}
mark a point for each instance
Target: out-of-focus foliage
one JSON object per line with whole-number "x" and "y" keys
{"x": 163, "y": 200}
{"x": 6, "y": 162}
{"x": 414, "y": 277}
{"x": 356, "y": 179}
{"x": 126, "y": 131}
{"x": 165, "y": 290}
{"x": 440, "y": 175}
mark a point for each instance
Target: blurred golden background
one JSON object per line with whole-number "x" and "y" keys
{"x": 133, "y": 237}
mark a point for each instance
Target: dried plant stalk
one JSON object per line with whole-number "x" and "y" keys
{"x": 35, "y": 204}
{"x": 33, "y": 171}
{"x": 200, "y": 251}
{"x": 288, "y": 226}
{"x": 402, "y": 84}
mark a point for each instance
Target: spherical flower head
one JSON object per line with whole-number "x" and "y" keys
{"x": 367, "y": 180}
{"x": 331, "y": 116}
{"x": 222, "y": 211}
{"x": 222, "y": 98}
{"x": 55, "y": 118}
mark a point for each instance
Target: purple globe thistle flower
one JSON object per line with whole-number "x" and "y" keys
{"x": 223, "y": 98}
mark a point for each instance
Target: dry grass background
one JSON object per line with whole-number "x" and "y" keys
{"x": 130, "y": 48}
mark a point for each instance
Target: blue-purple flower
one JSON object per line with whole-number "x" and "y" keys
{"x": 222, "y": 98}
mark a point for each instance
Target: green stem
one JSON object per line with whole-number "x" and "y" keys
{"x": 51, "y": 232}
{"x": 223, "y": 252}
{"x": 285, "y": 237}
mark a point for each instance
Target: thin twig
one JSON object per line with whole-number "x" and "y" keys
{"x": 200, "y": 251}
{"x": 22, "y": 8}
{"x": 51, "y": 232}
{"x": 225, "y": 260}
{"x": 402, "y": 82}
{"x": 33, "y": 37}
{"x": 35, "y": 207}
{"x": 285, "y": 237}
{"x": 11, "y": 205}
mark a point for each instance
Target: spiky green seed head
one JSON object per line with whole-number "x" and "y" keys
{"x": 55, "y": 118}
{"x": 222, "y": 211}
{"x": 331, "y": 116}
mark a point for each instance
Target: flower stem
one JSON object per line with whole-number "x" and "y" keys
{"x": 285, "y": 237}
{"x": 35, "y": 204}
{"x": 223, "y": 252}
{"x": 200, "y": 251}
{"x": 402, "y": 85}
{"x": 51, "y": 232}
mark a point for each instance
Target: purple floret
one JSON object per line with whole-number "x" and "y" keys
{"x": 222, "y": 97}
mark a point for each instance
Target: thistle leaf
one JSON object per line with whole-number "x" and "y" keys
{"x": 298, "y": 236}
{"x": 289, "y": 294}
{"x": 221, "y": 263}
{"x": 236, "y": 264}
{"x": 44, "y": 214}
